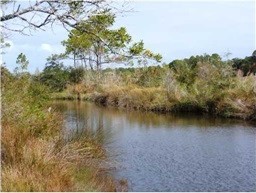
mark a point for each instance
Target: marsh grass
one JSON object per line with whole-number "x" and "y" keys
{"x": 207, "y": 87}
{"x": 34, "y": 154}
{"x": 212, "y": 89}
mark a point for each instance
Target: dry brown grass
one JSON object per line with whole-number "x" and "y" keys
{"x": 132, "y": 97}
{"x": 208, "y": 88}
{"x": 240, "y": 98}
{"x": 34, "y": 155}
{"x": 35, "y": 164}
{"x": 215, "y": 90}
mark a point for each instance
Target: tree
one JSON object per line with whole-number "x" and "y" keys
{"x": 55, "y": 75}
{"x": 254, "y": 55}
{"x": 100, "y": 44}
{"x": 252, "y": 69}
{"x": 247, "y": 65}
{"x": 23, "y": 62}
{"x": 24, "y": 17}
{"x": 76, "y": 74}
{"x": 184, "y": 72}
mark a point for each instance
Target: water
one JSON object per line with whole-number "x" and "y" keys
{"x": 171, "y": 152}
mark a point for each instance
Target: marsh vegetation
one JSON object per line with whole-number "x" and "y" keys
{"x": 200, "y": 84}
{"x": 37, "y": 154}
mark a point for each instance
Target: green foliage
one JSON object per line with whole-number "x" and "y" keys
{"x": 39, "y": 94}
{"x": 23, "y": 98}
{"x": 55, "y": 75}
{"x": 94, "y": 42}
{"x": 76, "y": 75}
{"x": 184, "y": 72}
{"x": 23, "y": 62}
{"x": 143, "y": 55}
{"x": 5, "y": 75}
{"x": 75, "y": 7}
{"x": 137, "y": 48}
{"x": 151, "y": 76}
{"x": 244, "y": 64}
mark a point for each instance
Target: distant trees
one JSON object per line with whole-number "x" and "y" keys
{"x": 185, "y": 70}
{"x": 22, "y": 61}
{"x": 57, "y": 76}
{"x": 246, "y": 65}
{"x": 54, "y": 75}
{"x": 76, "y": 74}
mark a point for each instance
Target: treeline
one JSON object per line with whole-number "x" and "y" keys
{"x": 202, "y": 84}
{"x": 57, "y": 76}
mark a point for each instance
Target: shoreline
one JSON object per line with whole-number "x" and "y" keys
{"x": 102, "y": 100}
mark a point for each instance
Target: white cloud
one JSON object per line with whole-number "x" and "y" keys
{"x": 46, "y": 47}
{"x": 56, "y": 48}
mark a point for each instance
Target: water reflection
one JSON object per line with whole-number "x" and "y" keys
{"x": 79, "y": 122}
{"x": 171, "y": 152}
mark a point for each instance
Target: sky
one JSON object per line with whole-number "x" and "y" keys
{"x": 175, "y": 29}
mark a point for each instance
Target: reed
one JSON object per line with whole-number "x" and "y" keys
{"x": 35, "y": 156}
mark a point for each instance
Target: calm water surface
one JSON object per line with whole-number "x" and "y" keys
{"x": 171, "y": 152}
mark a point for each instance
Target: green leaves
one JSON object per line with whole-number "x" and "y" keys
{"x": 96, "y": 42}
{"x": 137, "y": 48}
{"x": 158, "y": 57}
{"x": 54, "y": 75}
{"x": 143, "y": 55}
{"x": 22, "y": 60}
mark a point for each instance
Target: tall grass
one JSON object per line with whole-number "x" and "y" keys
{"x": 240, "y": 98}
{"x": 34, "y": 154}
{"x": 131, "y": 97}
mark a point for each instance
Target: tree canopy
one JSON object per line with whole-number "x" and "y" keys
{"x": 94, "y": 42}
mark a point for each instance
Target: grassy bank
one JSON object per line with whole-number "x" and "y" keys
{"x": 207, "y": 89}
{"x": 34, "y": 154}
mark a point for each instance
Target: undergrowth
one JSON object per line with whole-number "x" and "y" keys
{"x": 34, "y": 154}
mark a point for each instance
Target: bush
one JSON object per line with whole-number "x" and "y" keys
{"x": 55, "y": 75}
{"x": 76, "y": 75}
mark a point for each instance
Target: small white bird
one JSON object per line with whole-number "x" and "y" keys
{"x": 49, "y": 109}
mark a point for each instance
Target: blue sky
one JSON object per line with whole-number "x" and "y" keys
{"x": 175, "y": 29}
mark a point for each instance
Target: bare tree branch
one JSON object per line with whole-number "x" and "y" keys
{"x": 43, "y": 12}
